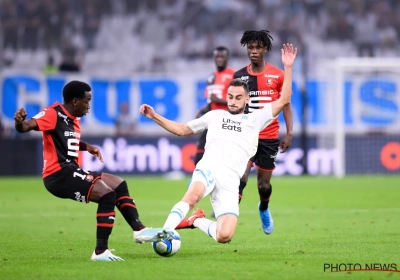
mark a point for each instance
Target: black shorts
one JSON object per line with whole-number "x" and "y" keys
{"x": 266, "y": 154}
{"x": 201, "y": 143}
{"x": 72, "y": 182}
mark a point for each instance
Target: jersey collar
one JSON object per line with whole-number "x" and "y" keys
{"x": 257, "y": 74}
{"x": 65, "y": 111}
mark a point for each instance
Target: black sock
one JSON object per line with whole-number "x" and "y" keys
{"x": 105, "y": 221}
{"x": 265, "y": 194}
{"x": 241, "y": 188}
{"x": 127, "y": 207}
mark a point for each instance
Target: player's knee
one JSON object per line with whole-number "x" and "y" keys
{"x": 108, "y": 198}
{"x": 263, "y": 185}
{"x": 224, "y": 236}
{"x": 122, "y": 189}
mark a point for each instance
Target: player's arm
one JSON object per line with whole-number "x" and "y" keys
{"x": 288, "y": 57}
{"x": 44, "y": 120}
{"x": 84, "y": 146}
{"x": 286, "y": 141}
{"x": 171, "y": 126}
{"x": 288, "y": 116}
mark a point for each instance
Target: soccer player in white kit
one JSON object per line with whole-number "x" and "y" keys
{"x": 231, "y": 141}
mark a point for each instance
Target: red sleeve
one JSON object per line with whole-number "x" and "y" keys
{"x": 46, "y": 119}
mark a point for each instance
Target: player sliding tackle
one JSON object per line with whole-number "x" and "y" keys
{"x": 231, "y": 141}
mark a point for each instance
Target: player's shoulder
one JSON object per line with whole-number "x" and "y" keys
{"x": 46, "y": 112}
{"x": 242, "y": 74}
{"x": 53, "y": 107}
{"x": 272, "y": 69}
{"x": 230, "y": 70}
{"x": 211, "y": 78}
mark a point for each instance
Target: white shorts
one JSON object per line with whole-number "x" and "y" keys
{"x": 222, "y": 184}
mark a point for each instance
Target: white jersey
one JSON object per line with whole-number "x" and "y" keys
{"x": 232, "y": 139}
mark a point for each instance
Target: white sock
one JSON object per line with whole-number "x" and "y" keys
{"x": 178, "y": 212}
{"x": 207, "y": 226}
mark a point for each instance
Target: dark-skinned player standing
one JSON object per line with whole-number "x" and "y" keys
{"x": 216, "y": 90}
{"x": 265, "y": 84}
{"x": 62, "y": 176}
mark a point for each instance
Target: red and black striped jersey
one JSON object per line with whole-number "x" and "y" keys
{"x": 218, "y": 83}
{"x": 264, "y": 87}
{"x": 61, "y": 136}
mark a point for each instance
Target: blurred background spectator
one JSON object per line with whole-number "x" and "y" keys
{"x": 50, "y": 67}
{"x": 125, "y": 124}
{"x": 165, "y": 35}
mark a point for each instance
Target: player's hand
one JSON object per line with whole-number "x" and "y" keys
{"x": 147, "y": 111}
{"x": 20, "y": 115}
{"x": 288, "y": 55}
{"x": 285, "y": 143}
{"x": 94, "y": 151}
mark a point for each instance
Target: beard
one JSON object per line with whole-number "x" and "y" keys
{"x": 236, "y": 110}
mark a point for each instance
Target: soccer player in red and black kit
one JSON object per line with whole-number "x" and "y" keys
{"x": 62, "y": 177}
{"x": 265, "y": 84}
{"x": 216, "y": 90}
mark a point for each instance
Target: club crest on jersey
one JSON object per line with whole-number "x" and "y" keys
{"x": 269, "y": 82}
{"x": 89, "y": 178}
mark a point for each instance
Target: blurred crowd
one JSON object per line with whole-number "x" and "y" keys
{"x": 190, "y": 29}
{"x": 63, "y": 26}
{"x": 33, "y": 24}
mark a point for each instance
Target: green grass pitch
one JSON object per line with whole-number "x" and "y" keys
{"x": 317, "y": 221}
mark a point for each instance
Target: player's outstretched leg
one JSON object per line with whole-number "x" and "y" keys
{"x": 151, "y": 235}
{"x": 197, "y": 189}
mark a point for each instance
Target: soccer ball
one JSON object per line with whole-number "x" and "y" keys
{"x": 169, "y": 246}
